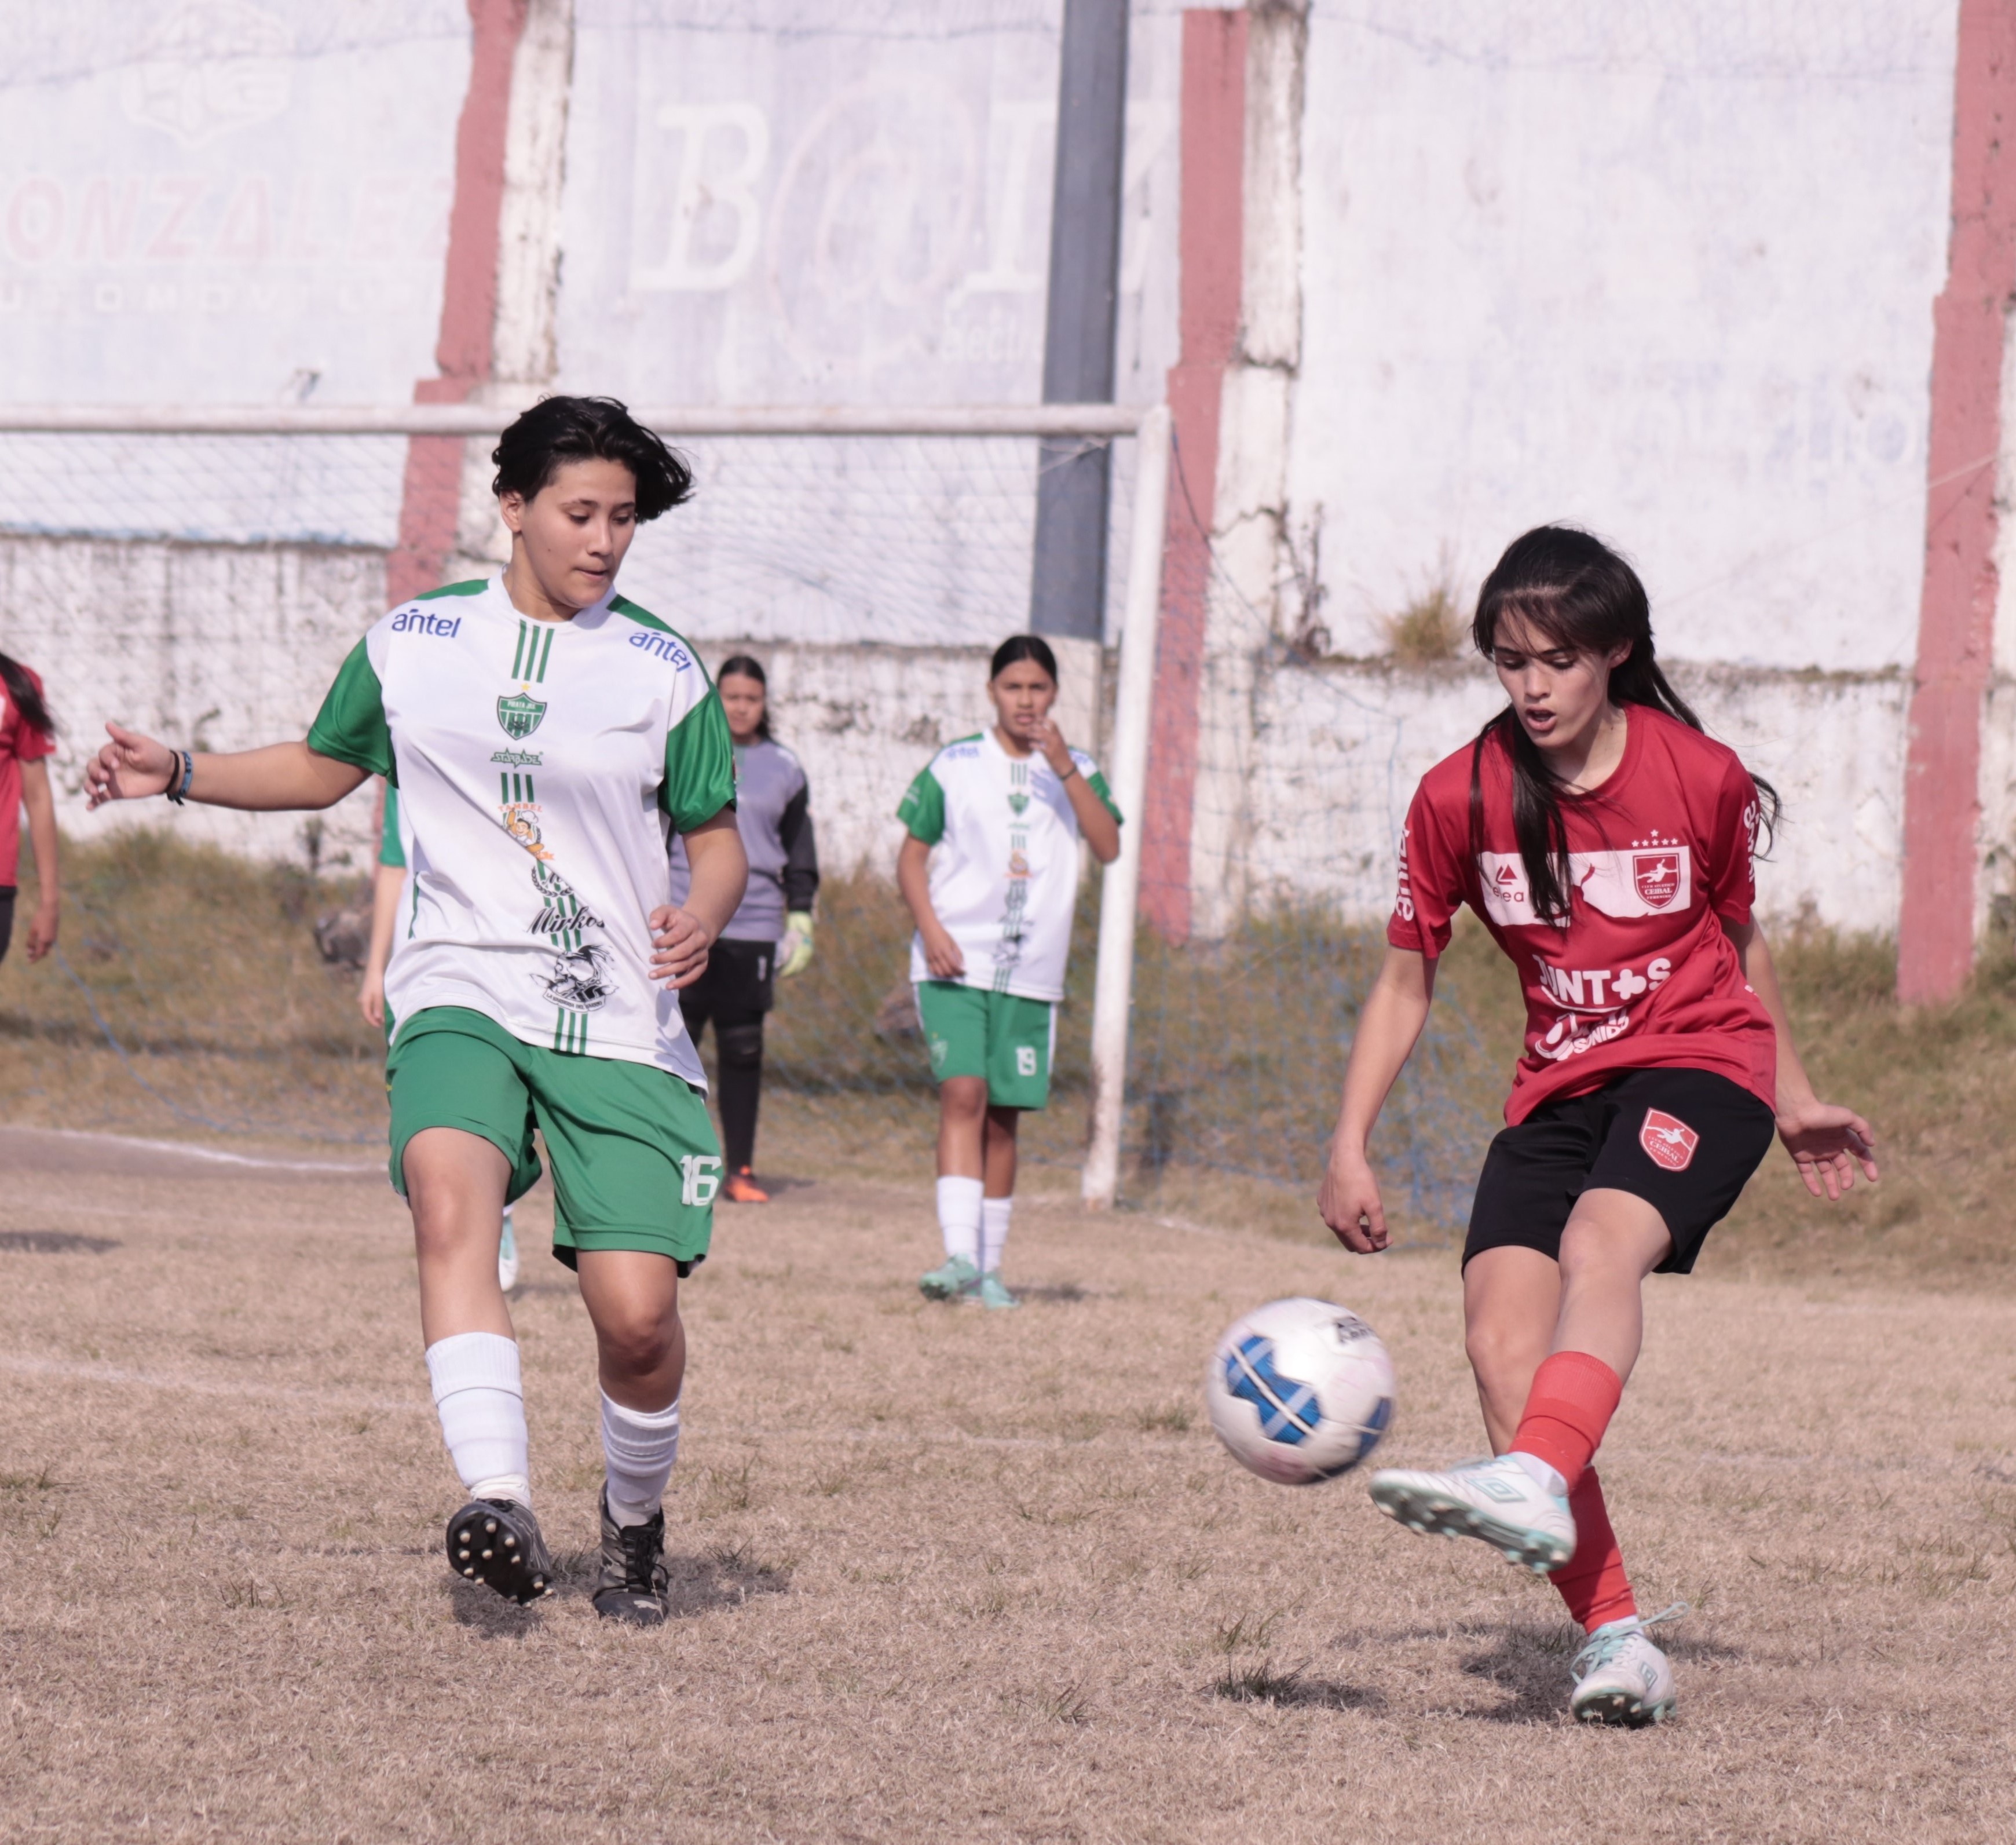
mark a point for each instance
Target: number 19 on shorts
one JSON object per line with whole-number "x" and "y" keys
{"x": 699, "y": 1178}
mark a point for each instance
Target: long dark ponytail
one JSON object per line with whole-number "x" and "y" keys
{"x": 23, "y": 695}
{"x": 1569, "y": 587}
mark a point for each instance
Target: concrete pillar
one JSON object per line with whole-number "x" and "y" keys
{"x": 429, "y": 502}
{"x": 1946, "y": 762}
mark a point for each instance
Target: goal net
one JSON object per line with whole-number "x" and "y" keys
{"x": 202, "y": 579}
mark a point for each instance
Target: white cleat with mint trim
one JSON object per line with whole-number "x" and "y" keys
{"x": 1621, "y": 1676}
{"x": 1499, "y": 1502}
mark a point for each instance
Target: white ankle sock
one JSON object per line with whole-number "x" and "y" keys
{"x": 641, "y": 1447}
{"x": 959, "y": 1218}
{"x": 994, "y": 1213}
{"x": 1541, "y": 1473}
{"x": 482, "y": 1408}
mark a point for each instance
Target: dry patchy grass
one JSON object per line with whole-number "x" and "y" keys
{"x": 206, "y": 968}
{"x": 945, "y": 1575}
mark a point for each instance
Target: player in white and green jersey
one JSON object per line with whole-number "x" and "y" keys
{"x": 546, "y": 738}
{"x": 989, "y": 868}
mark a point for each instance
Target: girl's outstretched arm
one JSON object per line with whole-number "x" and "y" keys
{"x": 282, "y": 775}
{"x": 1395, "y": 1010}
{"x": 41, "y": 804}
{"x": 1827, "y": 1142}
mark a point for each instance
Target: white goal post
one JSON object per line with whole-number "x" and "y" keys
{"x": 1127, "y": 752}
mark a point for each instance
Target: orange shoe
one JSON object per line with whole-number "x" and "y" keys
{"x": 741, "y": 1189}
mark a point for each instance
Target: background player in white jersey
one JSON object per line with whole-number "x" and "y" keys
{"x": 546, "y": 737}
{"x": 770, "y": 938}
{"x": 989, "y": 869}
{"x": 388, "y": 887}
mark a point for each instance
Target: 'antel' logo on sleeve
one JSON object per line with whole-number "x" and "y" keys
{"x": 1668, "y": 1140}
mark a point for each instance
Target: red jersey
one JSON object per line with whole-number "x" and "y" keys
{"x": 1641, "y": 977}
{"x": 19, "y": 742}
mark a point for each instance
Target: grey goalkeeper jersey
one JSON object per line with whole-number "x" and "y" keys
{"x": 772, "y": 810}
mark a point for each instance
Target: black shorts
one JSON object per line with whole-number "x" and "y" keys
{"x": 740, "y": 985}
{"x": 1686, "y": 1141}
{"x": 6, "y": 917}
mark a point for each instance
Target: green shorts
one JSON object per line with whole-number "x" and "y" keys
{"x": 635, "y": 1162}
{"x": 1008, "y": 1039}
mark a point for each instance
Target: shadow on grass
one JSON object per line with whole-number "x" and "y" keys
{"x": 483, "y": 1611}
{"x": 54, "y": 1242}
{"x": 725, "y": 1576}
{"x": 1291, "y": 1688}
{"x": 1053, "y": 1291}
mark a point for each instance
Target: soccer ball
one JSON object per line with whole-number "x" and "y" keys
{"x": 1299, "y": 1391}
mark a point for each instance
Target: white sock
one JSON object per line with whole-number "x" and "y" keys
{"x": 993, "y": 1232}
{"x": 640, "y": 1447}
{"x": 959, "y": 1218}
{"x": 482, "y": 1409}
{"x": 1546, "y": 1478}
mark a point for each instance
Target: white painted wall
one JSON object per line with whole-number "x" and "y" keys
{"x": 798, "y": 202}
{"x": 1666, "y": 270}
{"x": 212, "y": 201}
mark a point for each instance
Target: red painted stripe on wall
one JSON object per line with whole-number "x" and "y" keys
{"x": 1209, "y": 242}
{"x": 1956, "y": 607}
{"x": 431, "y": 497}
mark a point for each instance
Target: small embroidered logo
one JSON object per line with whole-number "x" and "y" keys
{"x": 1668, "y": 1140}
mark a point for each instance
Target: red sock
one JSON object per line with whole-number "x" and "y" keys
{"x": 1592, "y": 1582}
{"x": 1573, "y": 1398}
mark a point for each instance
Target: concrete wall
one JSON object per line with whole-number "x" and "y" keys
{"x": 1665, "y": 271}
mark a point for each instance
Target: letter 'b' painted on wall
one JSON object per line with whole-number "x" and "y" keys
{"x": 702, "y": 190}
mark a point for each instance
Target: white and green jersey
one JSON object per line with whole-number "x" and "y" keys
{"x": 1004, "y": 876}
{"x": 542, "y": 768}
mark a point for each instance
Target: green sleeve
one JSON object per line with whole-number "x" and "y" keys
{"x": 389, "y": 851}
{"x": 1097, "y": 783}
{"x": 699, "y": 767}
{"x": 922, "y": 808}
{"x": 351, "y": 725}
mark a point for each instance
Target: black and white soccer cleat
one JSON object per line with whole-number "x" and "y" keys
{"x": 633, "y": 1582}
{"x": 497, "y": 1542}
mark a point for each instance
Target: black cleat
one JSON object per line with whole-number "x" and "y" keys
{"x": 497, "y": 1542}
{"x": 632, "y": 1588}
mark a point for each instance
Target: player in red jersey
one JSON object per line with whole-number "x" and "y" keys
{"x": 1606, "y": 843}
{"x": 27, "y": 735}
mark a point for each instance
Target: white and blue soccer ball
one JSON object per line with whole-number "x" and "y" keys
{"x": 1299, "y": 1391}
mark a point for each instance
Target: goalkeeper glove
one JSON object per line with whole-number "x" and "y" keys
{"x": 794, "y": 953}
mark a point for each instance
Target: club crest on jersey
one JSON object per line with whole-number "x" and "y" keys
{"x": 580, "y": 981}
{"x": 520, "y": 714}
{"x": 1657, "y": 876}
{"x": 1018, "y": 800}
{"x": 1668, "y": 1140}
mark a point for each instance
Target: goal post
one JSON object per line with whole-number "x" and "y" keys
{"x": 1113, "y": 989}
{"x": 903, "y": 526}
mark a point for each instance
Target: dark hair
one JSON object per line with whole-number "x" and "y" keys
{"x": 747, "y": 666}
{"x": 1024, "y": 647}
{"x": 28, "y": 701}
{"x": 558, "y": 429}
{"x": 1568, "y": 586}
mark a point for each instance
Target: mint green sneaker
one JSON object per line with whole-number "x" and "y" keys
{"x": 1495, "y": 1499}
{"x": 1622, "y": 1677}
{"x": 957, "y": 1278}
{"x": 991, "y": 1293}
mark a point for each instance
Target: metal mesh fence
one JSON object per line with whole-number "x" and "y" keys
{"x": 192, "y": 996}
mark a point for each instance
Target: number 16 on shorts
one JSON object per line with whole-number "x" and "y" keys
{"x": 699, "y": 1178}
